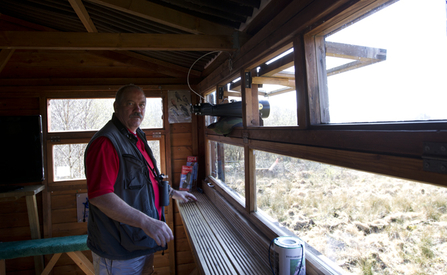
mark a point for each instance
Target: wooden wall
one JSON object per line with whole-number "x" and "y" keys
{"x": 182, "y": 146}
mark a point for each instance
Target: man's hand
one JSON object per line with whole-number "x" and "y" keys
{"x": 117, "y": 209}
{"x": 183, "y": 196}
{"x": 157, "y": 230}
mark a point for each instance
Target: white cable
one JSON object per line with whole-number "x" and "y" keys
{"x": 189, "y": 71}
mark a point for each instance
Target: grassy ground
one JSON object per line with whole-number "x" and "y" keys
{"x": 366, "y": 223}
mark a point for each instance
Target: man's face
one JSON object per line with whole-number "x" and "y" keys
{"x": 130, "y": 111}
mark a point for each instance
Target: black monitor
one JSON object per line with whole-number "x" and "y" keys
{"x": 21, "y": 147}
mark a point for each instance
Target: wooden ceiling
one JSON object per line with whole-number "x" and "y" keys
{"x": 97, "y": 42}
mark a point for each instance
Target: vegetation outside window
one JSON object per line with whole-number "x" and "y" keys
{"x": 92, "y": 114}
{"x": 227, "y": 166}
{"x": 282, "y": 103}
{"x": 365, "y": 223}
{"x": 155, "y": 147}
{"x": 68, "y": 161}
{"x": 388, "y": 66}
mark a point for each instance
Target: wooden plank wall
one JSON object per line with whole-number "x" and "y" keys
{"x": 182, "y": 147}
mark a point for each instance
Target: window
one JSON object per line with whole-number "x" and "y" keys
{"x": 155, "y": 147}
{"x": 154, "y": 113}
{"x": 227, "y": 166}
{"x": 365, "y": 223}
{"x": 282, "y": 105}
{"x": 388, "y": 66}
{"x": 278, "y": 88}
{"x": 78, "y": 115}
{"x": 68, "y": 161}
{"x": 92, "y": 114}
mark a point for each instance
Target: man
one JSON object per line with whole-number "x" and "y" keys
{"x": 126, "y": 224}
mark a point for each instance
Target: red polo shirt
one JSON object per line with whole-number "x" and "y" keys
{"x": 102, "y": 169}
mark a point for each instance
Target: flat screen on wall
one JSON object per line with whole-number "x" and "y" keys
{"x": 21, "y": 147}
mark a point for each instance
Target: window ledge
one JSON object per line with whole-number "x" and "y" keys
{"x": 260, "y": 230}
{"x": 219, "y": 246}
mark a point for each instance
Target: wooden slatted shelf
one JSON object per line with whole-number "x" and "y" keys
{"x": 218, "y": 246}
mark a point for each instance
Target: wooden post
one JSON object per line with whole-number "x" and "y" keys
{"x": 33, "y": 218}
{"x": 301, "y": 83}
{"x": 250, "y": 117}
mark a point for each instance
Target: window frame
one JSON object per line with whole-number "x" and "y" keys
{"x": 314, "y": 46}
{"x": 75, "y": 137}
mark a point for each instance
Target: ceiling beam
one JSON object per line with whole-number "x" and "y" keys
{"x": 73, "y": 91}
{"x": 114, "y": 41}
{"x": 82, "y": 13}
{"x": 166, "y": 16}
{"x": 15, "y": 82}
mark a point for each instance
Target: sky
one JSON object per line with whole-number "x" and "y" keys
{"x": 411, "y": 84}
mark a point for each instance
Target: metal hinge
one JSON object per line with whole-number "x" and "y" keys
{"x": 245, "y": 137}
{"x": 220, "y": 94}
{"x": 55, "y": 139}
{"x": 435, "y": 157}
{"x": 248, "y": 80}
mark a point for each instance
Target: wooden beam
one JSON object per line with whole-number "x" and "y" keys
{"x": 88, "y": 81}
{"x": 82, "y": 13}
{"x": 166, "y": 16}
{"x": 354, "y": 52}
{"x": 114, "y": 41}
{"x": 250, "y": 179}
{"x": 277, "y": 66}
{"x": 232, "y": 93}
{"x": 302, "y": 99}
{"x": 362, "y": 56}
{"x": 279, "y": 92}
{"x": 250, "y": 106}
{"x": 74, "y": 91}
{"x": 5, "y": 55}
{"x": 289, "y": 82}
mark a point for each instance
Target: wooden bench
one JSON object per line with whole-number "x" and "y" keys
{"x": 220, "y": 245}
{"x": 72, "y": 245}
